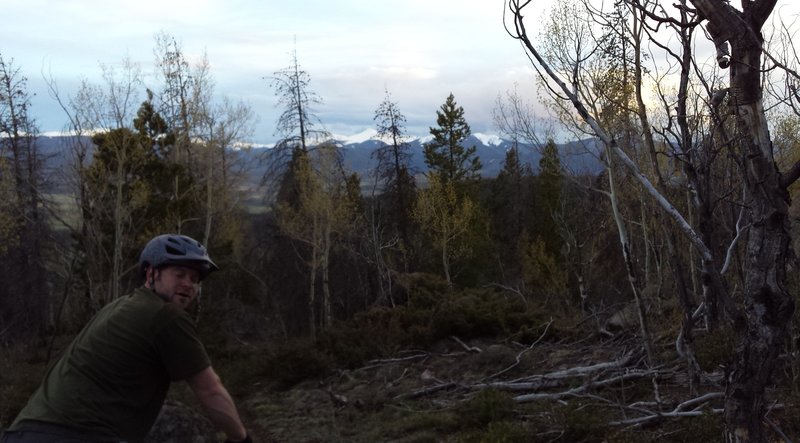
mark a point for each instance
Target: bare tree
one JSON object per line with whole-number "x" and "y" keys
{"x": 761, "y": 324}
{"x": 445, "y": 217}
{"x": 98, "y": 109}
{"x": 179, "y": 94}
{"x": 23, "y": 225}
{"x": 315, "y": 219}
{"x": 296, "y": 124}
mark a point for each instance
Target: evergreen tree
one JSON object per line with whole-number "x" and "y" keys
{"x": 510, "y": 207}
{"x": 548, "y": 190}
{"x": 296, "y": 124}
{"x": 445, "y": 155}
{"x": 394, "y": 168}
{"x": 23, "y": 226}
{"x": 129, "y": 199}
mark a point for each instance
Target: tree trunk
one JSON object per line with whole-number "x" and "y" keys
{"x": 626, "y": 253}
{"x": 768, "y": 307}
{"x": 761, "y": 326}
{"x": 116, "y": 259}
{"x": 209, "y": 215}
{"x": 327, "y": 310}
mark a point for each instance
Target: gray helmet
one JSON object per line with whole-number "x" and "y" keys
{"x": 179, "y": 250}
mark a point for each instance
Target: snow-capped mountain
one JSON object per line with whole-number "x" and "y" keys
{"x": 359, "y": 148}
{"x": 358, "y": 152}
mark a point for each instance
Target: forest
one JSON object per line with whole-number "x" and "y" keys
{"x": 654, "y": 301}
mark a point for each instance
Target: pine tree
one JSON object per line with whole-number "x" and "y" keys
{"x": 510, "y": 208}
{"x": 23, "y": 224}
{"x": 129, "y": 183}
{"x": 394, "y": 168}
{"x": 548, "y": 198}
{"x": 445, "y": 155}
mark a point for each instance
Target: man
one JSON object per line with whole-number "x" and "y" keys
{"x": 111, "y": 381}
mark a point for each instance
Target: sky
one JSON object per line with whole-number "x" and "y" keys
{"x": 354, "y": 50}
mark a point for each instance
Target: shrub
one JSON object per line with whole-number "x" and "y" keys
{"x": 583, "y": 423}
{"x": 499, "y": 432}
{"x": 714, "y": 348}
{"x": 370, "y": 334}
{"x": 488, "y": 406}
{"x": 295, "y": 362}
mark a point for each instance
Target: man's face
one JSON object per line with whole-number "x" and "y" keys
{"x": 178, "y": 284}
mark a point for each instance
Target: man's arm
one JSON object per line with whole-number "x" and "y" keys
{"x": 218, "y": 403}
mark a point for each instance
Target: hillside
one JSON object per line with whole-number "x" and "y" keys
{"x": 474, "y": 366}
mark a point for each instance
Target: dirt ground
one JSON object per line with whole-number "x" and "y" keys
{"x": 439, "y": 395}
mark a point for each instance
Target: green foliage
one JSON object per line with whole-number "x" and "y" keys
{"x": 498, "y": 432}
{"x": 445, "y": 217}
{"x": 480, "y": 313}
{"x": 18, "y": 379}
{"x": 9, "y": 221}
{"x": 393, "y": 169}
{"x": 445, "y": 155}
{"x": 542, "y": 272}
{"x": 510, "y": 205}
{"x": 714, "y": 348}
{"x": 704, "y": 428}
{"x": 131, "y": 183}
{"x": 488, "y": 406}
{"x": 582, "y": 423}
{"x": 547, "y": 194}
{"x": 23, "y": 223}
{"x": 427, "y": 426}
{"x": 380, "y": 332}
{"x": 490, "y": 417}
{"x": 294, "y": 362}
{"x": 433, "y": 313}
{"x": 371, "y": 334}
{"x": 239, "y": 367}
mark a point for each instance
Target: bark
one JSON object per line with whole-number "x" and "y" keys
{"x": 626, "y": 248}
{"x": 327, "y": 303}
{"x": 767, "y": 304}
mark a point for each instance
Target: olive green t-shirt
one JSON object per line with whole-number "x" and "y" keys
{"x": 113, "y": 378}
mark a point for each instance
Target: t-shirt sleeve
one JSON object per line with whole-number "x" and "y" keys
{"x": 180, "y": 349}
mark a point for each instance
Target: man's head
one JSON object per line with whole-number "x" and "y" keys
{"x": 176, "y": 284}
{"x": 173, "y": 265}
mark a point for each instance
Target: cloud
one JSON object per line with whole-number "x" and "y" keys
{"x": 420, "y": 50}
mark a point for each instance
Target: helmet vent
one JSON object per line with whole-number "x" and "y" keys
{"x": 174, "y": 251}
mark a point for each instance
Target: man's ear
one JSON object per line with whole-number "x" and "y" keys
{"x": 149, "y": 276}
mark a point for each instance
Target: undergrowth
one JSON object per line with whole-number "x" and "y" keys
{"x": 431, "y": 315}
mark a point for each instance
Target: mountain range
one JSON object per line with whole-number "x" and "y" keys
{"x": 578, "y": 157}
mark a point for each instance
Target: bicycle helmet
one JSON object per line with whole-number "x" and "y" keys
{"x": 179, "y": 250}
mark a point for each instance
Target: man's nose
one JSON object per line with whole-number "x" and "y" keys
{"x": 188, "y": 281}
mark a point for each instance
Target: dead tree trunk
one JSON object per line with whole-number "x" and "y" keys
{"x": 768, "y": 307}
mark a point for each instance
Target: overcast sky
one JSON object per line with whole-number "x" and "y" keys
{"x": 420, "y": 50}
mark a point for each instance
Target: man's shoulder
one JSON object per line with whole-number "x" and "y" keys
{"x": 144, "y": 307}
